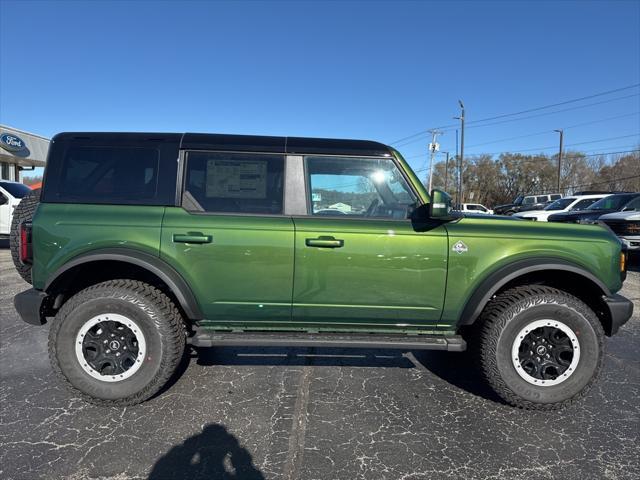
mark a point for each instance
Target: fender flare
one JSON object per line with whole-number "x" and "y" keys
{"x": 151, "y": 263}
{"x": 503, "y": 275}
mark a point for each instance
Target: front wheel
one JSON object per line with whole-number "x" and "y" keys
{"x": 117, "y": 342}
{"x": 540, "y": 348}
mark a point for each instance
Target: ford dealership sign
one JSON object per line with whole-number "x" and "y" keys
{"x": 13, "y": 143}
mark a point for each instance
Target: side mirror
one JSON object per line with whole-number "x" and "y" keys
{"x": 440, "y": 206}
{"x": 3, "y": 200}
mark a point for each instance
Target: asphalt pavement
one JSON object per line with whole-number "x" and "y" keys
{"x": 255, "y": 413}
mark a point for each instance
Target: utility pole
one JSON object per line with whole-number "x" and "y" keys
{"x": 561, "y": 132}
{"x": 433, "y": 148}
{"x": 446, "y": 171}
{"x": 461, "y": 159}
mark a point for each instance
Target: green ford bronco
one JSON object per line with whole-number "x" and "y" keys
{"x": 139, "y": 244}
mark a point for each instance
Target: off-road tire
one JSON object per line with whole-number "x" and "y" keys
{"x": 22, "y": 213}
{"x": 157, "y": 317}
{"x": 514, "y": 309}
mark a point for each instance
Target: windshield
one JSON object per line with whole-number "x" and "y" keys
{"x": 560, "y": 204}
{"x": 632, "y": 205}
{"x": 612, "y": 202}
{"x": 18, "y": 190}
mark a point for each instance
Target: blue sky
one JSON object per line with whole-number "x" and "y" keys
{"x": 376, "y": 70}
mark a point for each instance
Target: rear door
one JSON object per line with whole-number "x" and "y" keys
{"x": 229, "y": 238}
{"x": 366, "y": 264}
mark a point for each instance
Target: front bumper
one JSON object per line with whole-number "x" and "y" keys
{"x": 632, "y": 243}
{"x": 620, "y": 310}
{"x": 30, "y": 306}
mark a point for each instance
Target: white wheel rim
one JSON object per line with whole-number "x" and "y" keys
{"x": 125, "y": 322}
{"x": 522, "y": 335}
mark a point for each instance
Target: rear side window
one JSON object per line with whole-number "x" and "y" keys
{"x": 110, "y": 174}
{"x": 112, "y": 168}
{"x": 242, "y": 183}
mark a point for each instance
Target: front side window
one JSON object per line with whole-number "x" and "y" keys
{"x": 358, "y": 187}
{"x": 582, "y": 204}
{"x": 529, "y": 200}
{"x": 243, "y": 183}
{"x": 560, "y": 204}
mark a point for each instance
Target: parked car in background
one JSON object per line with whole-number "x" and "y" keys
{"x": 590, "y": 216}
{"x": 626, "y": 224}
{"x": 526, "y": 202}
{"x": 566, "y": 204}
{"x": 10, "y": 195}
{"x": 475, "y": 208}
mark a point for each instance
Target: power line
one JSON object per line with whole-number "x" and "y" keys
{"x": 569, "y": 145}
{"x": 549, "y": 131}
{"x": 474, "y": 122}
{"x": 537, "y": 159}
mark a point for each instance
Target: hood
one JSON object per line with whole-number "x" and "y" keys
{"x": 630, "y": 215}
{"x": 529, "y": 213}
{"x": 575, "y": 217}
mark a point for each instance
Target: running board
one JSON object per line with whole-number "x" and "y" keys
{"x": 204, "y": 338}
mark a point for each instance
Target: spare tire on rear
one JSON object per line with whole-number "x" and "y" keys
{"x": 23, "y": 213}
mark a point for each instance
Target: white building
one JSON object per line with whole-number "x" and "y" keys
{"x": 20, "y": 150}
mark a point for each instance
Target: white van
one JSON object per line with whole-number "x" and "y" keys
{"x": 10, "y": 195}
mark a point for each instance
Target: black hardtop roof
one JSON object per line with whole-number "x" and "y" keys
{"x": 244, "y": 143}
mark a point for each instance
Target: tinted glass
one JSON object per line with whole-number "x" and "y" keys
{"x": 234, "y": 183}
{"x": 18, "y": 190}
{"x": 560, "y": 204}
{"x": 542, "y": 199}
{"x": 612, "y": 202}
{"x": 555, "y": 196}
{"x": 582, "y": 204}
{"x": 633, "y": 204}
{"x": 117, "y": 175}
{"x": 529, "y": 200}
{"x": 358, "y": 187}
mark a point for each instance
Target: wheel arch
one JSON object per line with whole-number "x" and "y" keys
{"x": 105, "y": 264}
{"x": 557, "y": 273}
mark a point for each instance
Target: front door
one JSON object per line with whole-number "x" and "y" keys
{"x": 230, "y": 240}
{"x": 359, "y": 260}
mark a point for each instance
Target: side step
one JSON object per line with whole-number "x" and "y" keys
{"x": 204, "y": 338}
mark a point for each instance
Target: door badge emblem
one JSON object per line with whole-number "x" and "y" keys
{"x": 460, "y": 247}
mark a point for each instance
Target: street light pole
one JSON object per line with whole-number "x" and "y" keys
{"x": 561, "y": 132}
{"x": 461, "y": 159}
{"x": 446, "y": 171}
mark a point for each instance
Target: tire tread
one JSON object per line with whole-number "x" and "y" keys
{"x": 169, "y": 322}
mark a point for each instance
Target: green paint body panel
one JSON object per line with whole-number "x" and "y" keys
{"x": 385, "y": 274}
{"x": 494, "y": 243}
{"x": 63, "y": 231}
{"x": 244, "y": 273}
{"x": 259, "y": 272}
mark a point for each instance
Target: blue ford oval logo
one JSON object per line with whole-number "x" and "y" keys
{"x": 12, "y": 143}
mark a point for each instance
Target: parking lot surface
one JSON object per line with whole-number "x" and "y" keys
{"x": 251, "y": 413}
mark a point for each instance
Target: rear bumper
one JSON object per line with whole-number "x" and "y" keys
{"x": 29, "y": 305}
{"x": 620, "y": 309}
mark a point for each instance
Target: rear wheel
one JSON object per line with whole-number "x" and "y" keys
{"x": 540, "y": 348}
{"x": 22, "y": 213}
{"x": 117, "y": 343}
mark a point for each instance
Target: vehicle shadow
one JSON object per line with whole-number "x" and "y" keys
{"x": 285, "y": 356}
{"x": 457, "y": 369}
{"x": 212, "y": 454}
